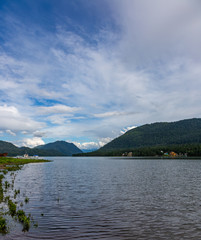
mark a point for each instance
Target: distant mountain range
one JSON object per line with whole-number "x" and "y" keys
{"x": 148, "y": 140}
{"x": 89, "y": 150}
{"x": 58, "y": 148}
{"x": 152, "y": 139}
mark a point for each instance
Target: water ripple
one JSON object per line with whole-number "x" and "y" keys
{"x": 107, "y": 198}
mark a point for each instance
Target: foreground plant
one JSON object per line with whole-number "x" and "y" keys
{"x": 1, "y": 188}
{"x": 3, "y": 225}
{"x": 13, "y": 164}
{"x": 24, "y": 220}
{"x": 12, "y": 208}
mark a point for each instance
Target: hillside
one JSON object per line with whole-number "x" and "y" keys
{"x": 59, "y": 148}
{"x": 184, "y": 133}
{"x": 9, "y": 148}
{"x": 164, "y": 133}
{"x": 65, "y": 148}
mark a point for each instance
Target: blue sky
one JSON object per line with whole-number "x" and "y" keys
{"x": 86, "y": 71}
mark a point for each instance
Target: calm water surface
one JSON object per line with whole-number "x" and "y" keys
{"x": 111, "y": 198}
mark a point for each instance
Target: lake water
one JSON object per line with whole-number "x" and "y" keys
{"x": 111, "y": 198}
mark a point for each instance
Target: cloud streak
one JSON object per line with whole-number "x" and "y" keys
{"x": 57, "y": 109}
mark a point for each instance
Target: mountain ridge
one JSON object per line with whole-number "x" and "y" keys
{"x": 159, "y": 133}
{"x": 62, "y": 146}
{"x": 156, "y": 136}
{"x": 49, "y": 149}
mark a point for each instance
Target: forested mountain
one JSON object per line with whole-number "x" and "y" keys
{"x": 6, "y": 147}
{"x": 67, "y": 149}
{"x": 152, "y": 138}
{"x": 59, "y": 148}
{"x": 164, "y": 133}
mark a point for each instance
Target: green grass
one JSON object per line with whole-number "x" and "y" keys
{"x": 21, "y": 161}
{"x": 13, "y": 164}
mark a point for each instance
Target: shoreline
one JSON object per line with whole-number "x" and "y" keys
{"x": 143, "y": 157}
{"x": 9, "y": 164}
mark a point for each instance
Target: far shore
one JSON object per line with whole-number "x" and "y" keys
{"x": 144, "y": 157}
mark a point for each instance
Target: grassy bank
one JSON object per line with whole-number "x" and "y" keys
{"x": 9, "y": 163}
{"x": 9, "y": 195}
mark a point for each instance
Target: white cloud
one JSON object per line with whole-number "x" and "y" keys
{"x": 124, "y": 130}
{"x": 104, "y": 141}
{"x": 10, "y": 132}
{"x": 13, "y": 120}
{"x": 112, "y": 114}
{"x": 57, "y": 109}
{"x": 87, "y": 145}
{"x": 32, "y": 142}
{"x": 92, "y": 145}
{"x": 25, "y": 132}
{"x": 39, "y": 134}
{"x": 108, "y": 114}
{"x": 157, "y": 30}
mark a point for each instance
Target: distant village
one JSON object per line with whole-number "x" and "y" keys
{"x": 166, "y": 154}
{"x": 174, "y": 154}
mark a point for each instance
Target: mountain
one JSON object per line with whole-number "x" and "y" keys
{"x": 59, "y": 148}
{"x": 156, "y": 136}
{"x": 62, "y": 147}
{"x": 6, "y": 147}
{"x": 89, "y": 150}
{"x": 180, "y": 132}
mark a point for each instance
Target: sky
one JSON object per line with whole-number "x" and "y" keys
{"x": 86, "y": 71}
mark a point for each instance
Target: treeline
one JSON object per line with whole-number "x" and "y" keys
{"x": 192, "y": 150}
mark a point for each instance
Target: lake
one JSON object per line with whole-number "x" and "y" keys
{"x": 111, "y": 198}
